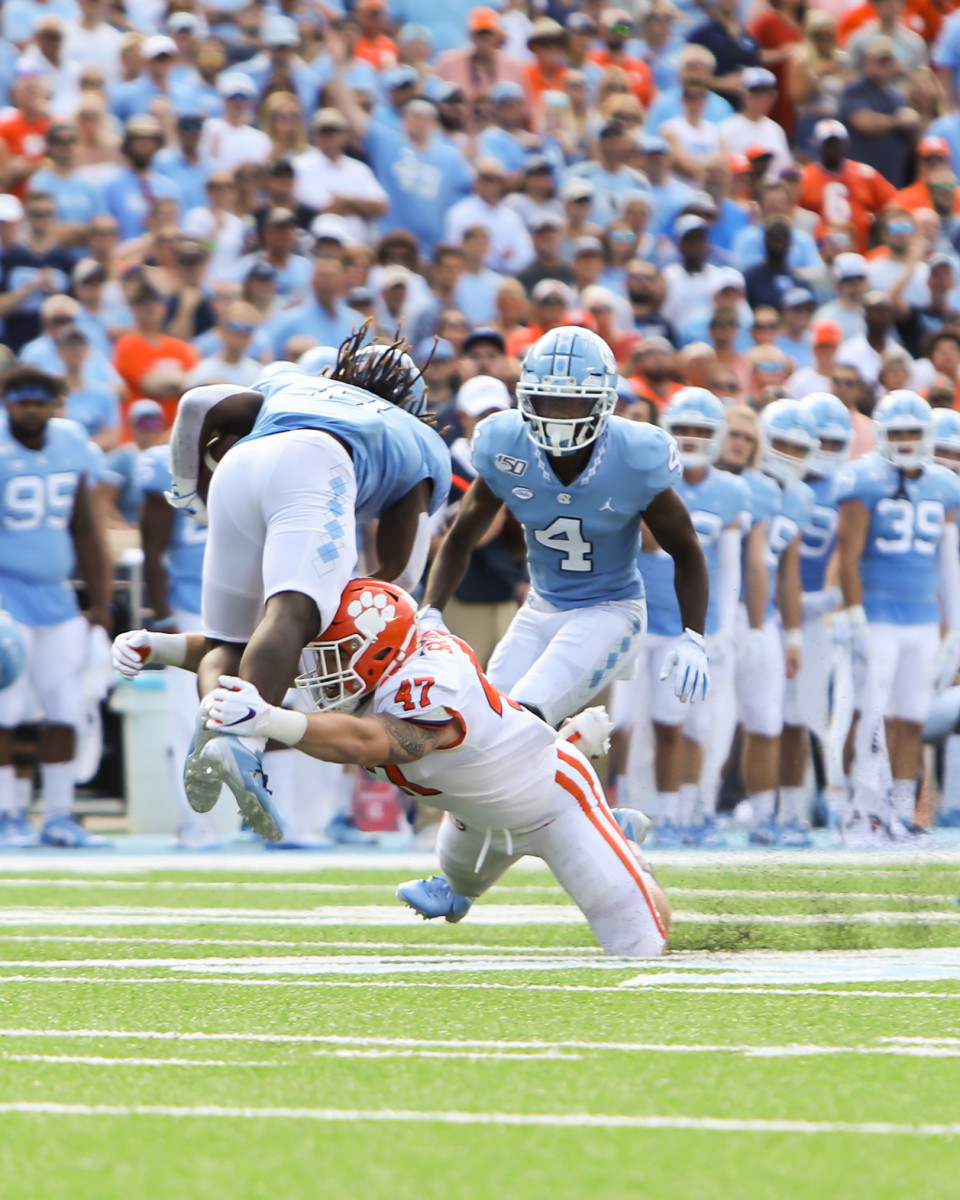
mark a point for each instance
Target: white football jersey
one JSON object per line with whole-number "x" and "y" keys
{"x": 494, "y": 776}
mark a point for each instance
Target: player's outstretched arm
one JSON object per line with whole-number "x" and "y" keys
{"x": 375, "y": 741}
{"x": 133, "y": 650}
{"x": 669, "y": 521}
{"x": 477, "y": 510}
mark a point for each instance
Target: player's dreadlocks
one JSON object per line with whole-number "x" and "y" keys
{"x": 385, "y": 375}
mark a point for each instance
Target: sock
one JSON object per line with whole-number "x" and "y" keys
{"x": 8, "y": 791}
{"x": 763, "y": 804}
{"x": 256, "y": 744}
{"x": 58, "y": 790}
{"x": 903, "y": 797}
{"x": 23, "y": 793}
{"x": 688, "y": 803}
{"x": 793, "y": 805}
{"x": 839, "y": 805}
{"x": 951, "y": 773}
{"x": 668, "y": 804}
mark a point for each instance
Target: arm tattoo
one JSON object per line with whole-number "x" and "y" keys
{"x": 408, "y": 741}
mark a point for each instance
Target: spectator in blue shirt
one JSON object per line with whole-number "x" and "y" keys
{"x": 325, "y": 316}
{"x": 76, "y": 200}
{"x": 130, "y": 193}
{"x": 668, "y": 194}
{"x": 695, "y": 66}
{"x": 748, "y": 248}
{"x": 182, "y": 164}
{"x": 95, "y": 406}
{"x": 611, "y": 177}
{"x": 796, "y": 339}
{"x": 130, "y": 97}
{"x": 508, "y": 140}
{"x": 279, "y": 62}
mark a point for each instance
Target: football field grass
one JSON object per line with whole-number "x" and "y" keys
{"x": 244, "y": 1028}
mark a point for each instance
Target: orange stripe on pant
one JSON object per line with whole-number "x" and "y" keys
{"x": 616, "y": 841}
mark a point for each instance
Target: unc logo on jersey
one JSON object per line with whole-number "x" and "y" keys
{"x": 511, "y": 465}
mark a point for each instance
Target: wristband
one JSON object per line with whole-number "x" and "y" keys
{"x": 170, "y": 649}
{"x": 857, "y": 614}
{"x": 793, "y": 639}
{"x": 695, "y": 637}
{"x": 286, "y": 725}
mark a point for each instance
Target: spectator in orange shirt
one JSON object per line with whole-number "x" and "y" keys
{"x": 23, "y": 135}
{"x": 548, "y": 71}
{"x": 152, "y": 364}
{"x": 839, "y": 190}
{"x": 855, "y": 18}
{"x": 373, "y": 45}
{"x": 551, "y": 303}
{"x": 653, "y": 378}
{"x": 617, "y": 28}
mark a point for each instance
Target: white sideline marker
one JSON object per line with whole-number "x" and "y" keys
{"x": 547, "y": 1120}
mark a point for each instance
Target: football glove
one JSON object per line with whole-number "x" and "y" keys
{"x": 131, "y": 652}
{"x": 589, "y": 731}
{"x": 687, "y": 662}
{"x": 237, "y": 707}
{"x": 859, "y": 633}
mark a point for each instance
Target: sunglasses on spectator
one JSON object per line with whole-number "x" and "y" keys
{"x": 695, "y": 95}
{"x": 60, "y": 319}
{"x": 239, "y": 327}
{"x": 766, "y": 326}
{"x": 623, "y": 27}
{"x": 622, "y": 236}
{"x": 840, "y": 382}
{"x": 63, "y": 139}
{"x": 723, "y": 324}
{"x": 767, "y": 367}
{"x": 900, "y": 227}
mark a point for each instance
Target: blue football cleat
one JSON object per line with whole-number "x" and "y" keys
{"x": 241, "y": 770}
{"x": 669, "y": 836}
{"x": 764, "y": 833}
{"x": 434, "y": 897}
{"x": 706, "y": 835}
{"x": 634, "y": 823}
{"x": 791, "y": 835}
{"x": 68, "y": 834}
{"x": 199, "y": 782}
{"x": 949, "y": 818}
{"x": 343, "y": 830}
{"x": 16, "y": 832}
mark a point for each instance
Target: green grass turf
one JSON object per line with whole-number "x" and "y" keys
{"x": 73, "y": 976}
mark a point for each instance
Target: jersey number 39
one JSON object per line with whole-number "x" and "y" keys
{"x": 565, "y": 535}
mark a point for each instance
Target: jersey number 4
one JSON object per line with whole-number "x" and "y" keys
{"x": 565, "y": 535}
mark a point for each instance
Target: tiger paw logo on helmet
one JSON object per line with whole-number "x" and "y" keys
{"x": 371, "y": 614}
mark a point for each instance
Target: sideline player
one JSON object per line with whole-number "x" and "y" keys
{"x": 47, "y": 522}
{"x": 286, "y": 471}
{"x": 806, "y": 705}
{"x": 716, "y": 501}
{"x": 415, "y": 708}
{"x": 899, "y": 561}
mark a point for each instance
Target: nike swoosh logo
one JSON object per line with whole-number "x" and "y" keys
{"x": 251, "y": 712}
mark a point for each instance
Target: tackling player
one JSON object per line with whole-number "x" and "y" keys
{"x": 283, "y": 473}
{"x": 717, "y": 502}
{"x": 412, "y": 706}
{"x": 806, "y": 703}
{"x": 897, "y": 547}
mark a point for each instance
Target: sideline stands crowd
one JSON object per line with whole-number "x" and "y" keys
{"x": 754, "y": 197}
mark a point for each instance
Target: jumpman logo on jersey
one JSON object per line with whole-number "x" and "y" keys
{"x": 606, "y": 506}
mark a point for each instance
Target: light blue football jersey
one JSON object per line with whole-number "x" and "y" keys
{"x": 717, "y": 501}
{"x": 820, "y": 534}
{"x": 581, "y": 537}
{"x": 392, "y": 451}
{"x": 37, "y": 492}
{"x": 786, "y": 511}
{"x": 188, "y": 539}
{"x": 899, "y": 563}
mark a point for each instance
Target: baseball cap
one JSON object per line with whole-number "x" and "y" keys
{"x": 552, "y": 289}
{"x": 797, "y": 297}
{"x": 824, "y": 130}
{"x": 577, "y": 189}
{"x": 236, "y": 85}
{"x": 536, "y": 164}
{"x": 545, "y": 29}
{"x": 484, "y": 19}
{"x": 11, "y": 210}
{"x": 280, "y": 30}
{"x": 656, "y": 343}
{"x": 757, "y": 77}
{"x": 190, "y": 122}
{"x": 395, "y": 275}
{"x": 181, "y": 22}
{"x": 484, "y": 333}
{"x": 940, "y": 260}
{"x": 727, "y": 277}
{"x": 587, "y": 245}
{"x": 881, "y": 46}
{"x": 757, "y": 150}
{"x": 545, "y": 220}
{"x": 850, "y": 266}
{"x": 875, "y": 298}
{"x": 262, "y": 270}
{"x": 687, "y": 224}
{"x": 433, "y": 350}
{"x": 933, "y": 147}
{"x": 826, "y": 333}
{"x": 481, "y": 394}
{"x": 157, "y": 46}
{"x": 507, "y": 89}
{"x": 330, "y": 227}
{"x": 88, "y": 269}
{"x": 400, "y": 76}
{"x": 143, "y": 125}
{"x": 329, "y": 118}
{"x": 144, "y": 410}
{"x": 280, "y": 216}
{"x": 360, "y": 295}
{"x": 652, "y": 143}
{"x": 579, "y": 22}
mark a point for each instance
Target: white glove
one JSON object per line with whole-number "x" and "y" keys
{"x": 949, "y": 661}
{"x": 750, "y": 652}
{"x": 840, "y": 630}
{"x": 131, "y": 652}
{"x": 859, "y": 633}
{"x": 589, "y": 731}
{"x": 237, "y": 707}
{"x": 720, "y": 647}
{"x": 687, "y": 661}
{"x": 818, "y": 604}
{"x": 431, "y": 618}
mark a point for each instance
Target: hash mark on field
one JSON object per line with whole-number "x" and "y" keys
{"x": 549, "y": 1120}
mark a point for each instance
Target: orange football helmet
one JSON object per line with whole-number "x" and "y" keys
{"x": 373, "y": 632}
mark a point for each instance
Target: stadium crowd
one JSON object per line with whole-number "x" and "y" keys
{"x": 758, "y": 199}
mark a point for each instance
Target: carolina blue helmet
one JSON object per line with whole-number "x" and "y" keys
{"x": 416, "y": 401}
{"x": 787, "y": 423}
{"x": 833, "y": 422}
{"x": 696, "y": 408}
{"x": 904, "y": 411}
{"x": 13, "y": 652}
{"x": 318, "y": 360}
{"x": 946, "y": 436}
{"x": 574, "y": 368}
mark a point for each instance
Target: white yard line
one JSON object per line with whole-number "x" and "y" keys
{"x": 95, "y": 1060}
{"x": 548, "y": 1120}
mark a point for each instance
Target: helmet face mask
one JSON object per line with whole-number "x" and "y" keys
{"x": 696, "y": 420}
{"x": 905, "y": 430}
{"x": 835, "y": 430}
{"x": 567, "y": 389}
{"x": 789, "y": 440}
{"x": 780, "y": 461}
{"x": 330, "y": 680}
